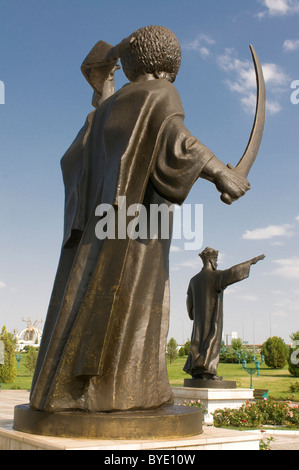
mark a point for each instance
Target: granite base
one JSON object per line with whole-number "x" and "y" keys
{"x": 213, "y": 398}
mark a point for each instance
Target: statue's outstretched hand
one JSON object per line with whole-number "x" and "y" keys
{"x": 257, "y": 258}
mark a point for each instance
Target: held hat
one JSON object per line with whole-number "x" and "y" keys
{"x": 98, "y": 64}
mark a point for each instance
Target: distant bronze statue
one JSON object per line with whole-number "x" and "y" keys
{"x": 104, "y": 340}
{"x": 205, "y": 309}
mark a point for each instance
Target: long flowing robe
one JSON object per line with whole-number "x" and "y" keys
{"x": 104, "y": 340}
{"x": 205, "y": 308}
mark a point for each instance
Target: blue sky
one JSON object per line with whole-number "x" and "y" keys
{"x": 42, "y": 45}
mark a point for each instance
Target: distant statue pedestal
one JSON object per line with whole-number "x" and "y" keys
{"x": 167, "y": 422}
{"x": 213, "y": 394}
{"x": 202, "y": 383}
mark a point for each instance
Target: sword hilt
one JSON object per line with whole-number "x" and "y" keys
{"x": 224, "y": 196}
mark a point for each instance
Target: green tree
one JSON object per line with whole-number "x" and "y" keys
{"x": 30, "y": 360}
{"x": 187, "y": 347}
{"x": 293, "y": 359}
{"x": 275, "y": 352}
{"x": 172, "y": 350}
{"x": 8, "y": 370}
{"x": 237, "y": 344}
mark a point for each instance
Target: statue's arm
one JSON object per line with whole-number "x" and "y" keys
{"x": 238, "y": 272}
{"x": 182, "y": 159}
{"x": 179, "y": 161}
{"x": 189, "y": 303}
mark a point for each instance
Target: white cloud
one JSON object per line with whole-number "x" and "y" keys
{"x": 271, "y": 231}
{"x": 174, "y": 268}
{"x": 280, "y": 314}
{"x": 231, "y": 290}
{"x": 175, "y": 249}
{"x": 248, "y": 297}
{"x": 277, "y": 243}
{"x": 278, "y": 292}
{"x": 279, "y": 8}
{"x": 274, "y": 75}
{"x": 195, "y": 263}
{"x": 242, "y": 77}
{"x": 291, "y": 45}
{"x": 288, "y": 268}
{"x": 221, "y": 258}
{"x": 192, "y": 263}
{"x": 273, "y": 107}
{"x": 297, "y": 218}
{"x": 2, "y": 285}
{"x": 241, "y": 293}
{"x": 244, "y": 81}
{"x": 287, "y": 304}
{"x": 200, "y": 44}
{"x": 228, "y": 62}
{"x": 205, "y": 52}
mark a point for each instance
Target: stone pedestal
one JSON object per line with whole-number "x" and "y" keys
{"x": 167, "y": 422}
{"x": 201, "y": 383}
{"x": 213, "y": 398}
{"x": 210, "y": 439}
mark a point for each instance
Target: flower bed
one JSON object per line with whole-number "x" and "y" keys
{"x": 194, "y": 403}
{"x": 257, "y": 414}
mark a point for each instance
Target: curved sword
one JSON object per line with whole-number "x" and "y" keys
{"x": 250, "y": 154}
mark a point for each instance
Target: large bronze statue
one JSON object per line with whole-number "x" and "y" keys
{"x": 205, "y": 308}
{"x": 104, "y": 340}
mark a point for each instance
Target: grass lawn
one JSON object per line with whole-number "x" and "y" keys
{"x": 23, "y": 380}
{"x": 277, "y": 381}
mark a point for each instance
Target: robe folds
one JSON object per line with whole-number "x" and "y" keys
{"x": 104, "y": 340}
{"x": 205, "y": 308}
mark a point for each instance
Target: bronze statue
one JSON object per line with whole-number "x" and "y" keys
{"x": 104, "y": 340}
{"x": 205, "y": 309}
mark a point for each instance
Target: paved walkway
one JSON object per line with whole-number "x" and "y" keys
{"x": 283, "y": 440}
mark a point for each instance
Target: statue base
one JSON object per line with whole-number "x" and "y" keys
{"x": 172, "y": 421}
{"x": 203, "y": 383}
{"x": 213, "y": 398}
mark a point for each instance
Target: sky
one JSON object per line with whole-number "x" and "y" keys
{"x": 44, "y": 101}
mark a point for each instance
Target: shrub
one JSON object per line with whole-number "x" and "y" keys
{"x": 228, "y": 355}
{"x": 8, "y": 370}
{"x": 194, "y": 403}
{"x": 171, "y": 351}
{"x": 275, "y": 352}
{"x": 293, "y": 358}
{"x": 248, "y": 415}
{"x": 263, "y": 412}
{"x": 237, "y": 344}
{"x": 30, "y": 360}
{"x": 187, "y": 346}
{"x": 294, "y": 387}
